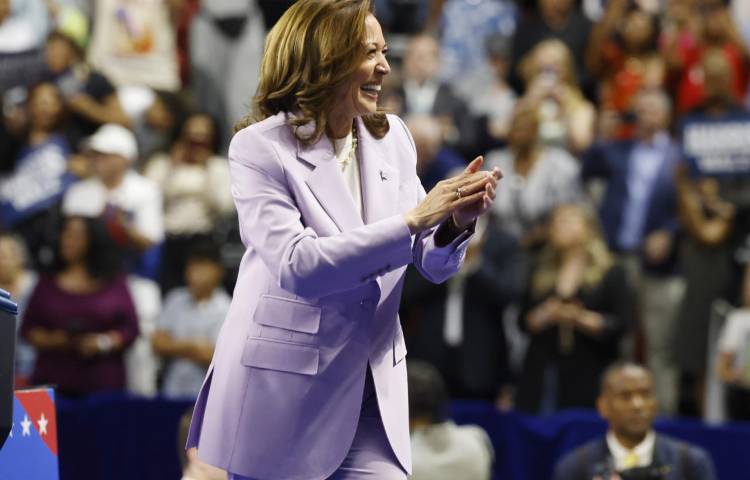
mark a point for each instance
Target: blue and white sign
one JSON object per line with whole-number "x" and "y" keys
{"x": 719, "y": 147}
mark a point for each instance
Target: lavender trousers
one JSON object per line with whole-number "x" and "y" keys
{"x": 370, "y": 457}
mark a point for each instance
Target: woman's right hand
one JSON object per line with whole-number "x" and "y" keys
{"x": 443, "y": 199}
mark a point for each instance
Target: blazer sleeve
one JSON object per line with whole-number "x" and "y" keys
{"x": 304, "y": 263}
{"x": 436, "y": 264}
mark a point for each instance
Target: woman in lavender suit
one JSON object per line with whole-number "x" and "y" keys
{"x": 308, "y": 379}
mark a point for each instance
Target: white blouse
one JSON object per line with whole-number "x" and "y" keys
{"x": 349, "y": 168}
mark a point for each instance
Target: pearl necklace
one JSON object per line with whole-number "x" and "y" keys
{"x": 352, "y": 156}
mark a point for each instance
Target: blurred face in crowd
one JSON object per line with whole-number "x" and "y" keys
{"x": 652, "y": 109}
{"x": 199, "y": 131}
{"x": 107, "y": 166}
{"x": 159, "y": 117}
{"x": 716, "y": 20}
{"x": 555, "y": 9}
{"x": 203, "y": 276}
{"x": 717, "y": 76}
{"x": 74, "y": 240}
{"x": 45, "y": 107}
{"x": 569, "y": 227}
{"x": 523, "y": 128}
{"x": 548, "y": 65}
{"x": 628, "y": 403}
{"x": 11, "y": 259}
{"x": 59, "y": 54}
{"x": 637, "y": 30}
{"x": 422, "y": 59}
{"x": 360, "y": 94}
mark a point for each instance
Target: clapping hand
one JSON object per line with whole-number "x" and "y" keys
{"x": 465, "y": 197}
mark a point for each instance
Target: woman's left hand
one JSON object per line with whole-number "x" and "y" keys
{"x": 463, "y": 216}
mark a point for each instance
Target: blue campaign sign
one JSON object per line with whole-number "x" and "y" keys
{"x": 717, "y": 147}
{"x": 30, "y": 452}
{"x": 38, "y": 181}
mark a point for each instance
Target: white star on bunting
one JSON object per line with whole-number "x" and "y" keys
{"x": 26, "y": 425}
{"x": 42, "y": 425}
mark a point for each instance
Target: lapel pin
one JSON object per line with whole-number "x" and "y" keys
{"x": 383, "y": 178}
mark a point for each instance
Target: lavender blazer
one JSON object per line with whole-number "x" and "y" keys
{"x": 316, "y": 298}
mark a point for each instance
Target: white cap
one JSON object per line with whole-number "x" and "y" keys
{"x": 113, "y": 139}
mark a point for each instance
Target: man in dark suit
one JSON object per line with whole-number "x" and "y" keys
{"x": 424, "y": 93}
{"x": 639, "y": 217}
{"x": 631, "y": 448}
{"x": 457, "y": 326}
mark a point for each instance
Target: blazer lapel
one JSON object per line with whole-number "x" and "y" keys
{"x": 327, "y": 183}
{"x": 379, "y": 179}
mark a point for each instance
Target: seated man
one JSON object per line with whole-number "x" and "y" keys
{"x": 631, "y": 449}
{"x": 442, "y": 450}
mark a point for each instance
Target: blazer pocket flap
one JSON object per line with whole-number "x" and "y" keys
{"x": 288, "y": 314}
{"x": 285, "y": 357}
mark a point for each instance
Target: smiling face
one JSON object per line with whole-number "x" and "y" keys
{"x": 359, "y": 95}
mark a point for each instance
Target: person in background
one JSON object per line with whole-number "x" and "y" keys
{"x": 226, "y": 46}
{"x": 640, "y": 221}
{"x": 495, "y": 99}
{"x": 457, "y": 326}
{"x": 187, "y": 329}
{"x": 441, "y": 449}
{"x": 631, "y": 448}
{"x": 40, "y": 174}
{"x": 156, "y": 117}
{"x": 129, "y": 203}
{"x": 435, "y": 161}
{"x": 624, "y": 52}
{"x": 423, "y": 92}
{"x": 566, "y": 118}
{"x": 538, "y": 178}
{"x": 194, "y": 184}
{"x": 709, "y": 218}
{"x": 733, "y": 367}
{"x": 552, "y": 19}
{"x": 19, "y": 281}
{"x": 576, "y": 309}
{"x": 89, "y": 95}
{"x": 464, "y": 27}
{"x": 707, "y": 29}
{"x": 81, "y": 317}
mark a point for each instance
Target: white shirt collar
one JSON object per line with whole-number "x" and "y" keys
{"x": 644, "y": 451}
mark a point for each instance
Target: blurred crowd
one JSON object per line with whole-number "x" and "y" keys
{"x": 620, "y": 230}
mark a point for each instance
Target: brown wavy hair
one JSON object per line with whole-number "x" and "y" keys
{"x": 314, "y": 48}
{"x": 549, "y": 263}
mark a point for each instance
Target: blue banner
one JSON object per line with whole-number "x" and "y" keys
{"x": 30, "y": 452}
{"x": 717, "y": 147}
{"x": 39, "y": 180}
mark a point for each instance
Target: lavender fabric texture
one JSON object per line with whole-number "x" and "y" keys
{"x": 316, "y": 300}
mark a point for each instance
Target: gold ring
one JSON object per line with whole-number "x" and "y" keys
{"x": 459, "y": 193}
